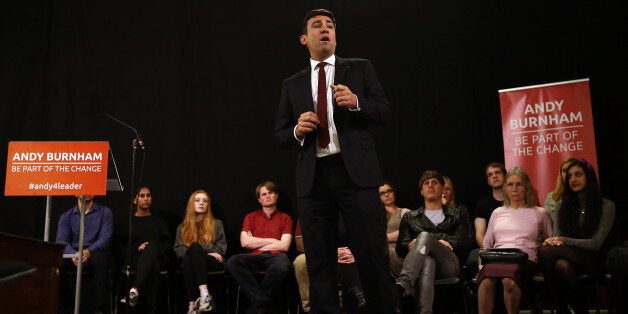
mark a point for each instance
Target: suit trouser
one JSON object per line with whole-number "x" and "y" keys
{"x": 365, "y": 221}
{"x": 348, "y": 276}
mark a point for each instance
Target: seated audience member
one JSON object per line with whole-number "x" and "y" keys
{"x": 495, "y": 173}
{"x": 393, "y": 219}
{"x": 582, "y": 221}
{"x": 150, "y": 247}
{"x": 96, "y": 255}
{"x": 267, "y": 235}
{"x": 554, "y": 196}
{"x": 348, "y": 276}
{"x": 518, "y": 224}
{"x": 201, "y": 245}
{"x": 449, "y": 200}
{"x": 428, "y": 239}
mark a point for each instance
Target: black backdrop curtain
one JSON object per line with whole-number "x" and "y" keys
{"x": 200, "y": 80}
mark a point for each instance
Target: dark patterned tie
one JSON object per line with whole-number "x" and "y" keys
{"x": 322, "y": 133}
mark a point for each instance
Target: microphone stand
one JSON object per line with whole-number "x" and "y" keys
{"x": 137, "y": 142}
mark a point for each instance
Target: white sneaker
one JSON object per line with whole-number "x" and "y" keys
{"x": 205, "y": 304}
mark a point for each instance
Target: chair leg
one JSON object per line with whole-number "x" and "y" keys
{"x": 238, "y": 301}
{"x": 168, "y": 300}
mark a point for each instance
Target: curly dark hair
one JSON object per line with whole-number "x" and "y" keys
{"x": 569, "y": 211}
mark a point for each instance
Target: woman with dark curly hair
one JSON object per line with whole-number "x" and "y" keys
{"x": 583, "y": 220}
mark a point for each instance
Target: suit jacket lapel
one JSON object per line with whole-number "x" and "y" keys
{"x": 342, "y": 69}
{"x": 305, "y": 83}
{"x": 341, "y": 76}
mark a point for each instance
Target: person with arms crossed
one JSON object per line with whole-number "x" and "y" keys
{"x": 267, "y": 235}
{"x": 324, "y": 114}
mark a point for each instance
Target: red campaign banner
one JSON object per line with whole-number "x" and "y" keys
{"x": 545, "y": 124}
{"x": 56, "y": 168}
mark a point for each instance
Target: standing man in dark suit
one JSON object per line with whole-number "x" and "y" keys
{"x": 324, "y": 113}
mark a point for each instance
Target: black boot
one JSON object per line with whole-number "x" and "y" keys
{"x": 399, "y": 292}
{"x": 358, "y": 294}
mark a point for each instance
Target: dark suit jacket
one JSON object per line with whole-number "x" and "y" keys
{"x": 356, "y": 144}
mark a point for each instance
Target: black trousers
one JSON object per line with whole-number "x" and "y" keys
{"x": 565, "y": 287}
{"x": 365, "y": 223}
{"x": 196, "y": 263}
{"x": 243, "y": 266}
{"x": 147, "y": 264}
{"x": 349, "y": 276}
{"x": 99, "y": 264}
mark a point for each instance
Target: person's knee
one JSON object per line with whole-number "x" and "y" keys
{"x": 281, "y": 265}
{"x": 231, "y": 262}
{"x": 300, "y": 264}
{"x": 487, "y": 283}
{"x": 562, "y": 266}
{"x": 194, "y": 248}
{"x": 509, "y": 284}
{"x": 99, "y": 261}
{"x": 151, "y": 248}
{"x": 185, "y": 261}
{"x": 423, "y": 236}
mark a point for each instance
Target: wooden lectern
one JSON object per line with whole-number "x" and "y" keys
{"x": 36, "y": 294}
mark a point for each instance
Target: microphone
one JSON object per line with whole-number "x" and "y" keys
{"x": 138, "y": 140}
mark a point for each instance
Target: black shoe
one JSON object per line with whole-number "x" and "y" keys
{"x": 358, "y": 294}
{"x": 398, "y": 294}
{"x": 263, "y": 309}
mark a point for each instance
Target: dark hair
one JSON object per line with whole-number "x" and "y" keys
{"x": 142, "y": 186}
{"x": 569, "y": 211}
{"x": 313, "y": 13}
{"x": 431, "y": 174}
{"x": 496, "y": 164}
{"x": 392, "y": 186}
{"x": 271, "y": 186}
{"x": 558, "y": 190}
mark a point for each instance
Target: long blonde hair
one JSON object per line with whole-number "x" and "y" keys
{"x": 557, "y": 194}
{"x": 201, "y": 231}
{"x": 452, "y": 201}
